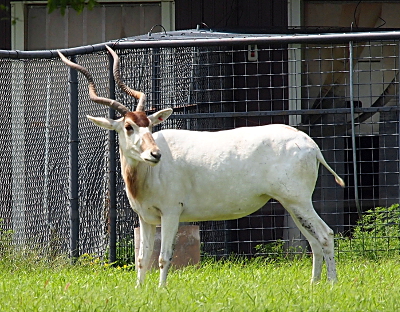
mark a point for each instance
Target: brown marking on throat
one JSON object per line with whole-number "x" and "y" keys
{"x": 139, "y": 118}
{"x": 131, "y": 181}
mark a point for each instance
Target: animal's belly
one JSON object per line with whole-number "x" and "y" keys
{"x": 149, "y": 214}
{"x": 223, "y": 210}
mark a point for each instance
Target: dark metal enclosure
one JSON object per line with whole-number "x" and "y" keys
{"x": 341, "y": 89}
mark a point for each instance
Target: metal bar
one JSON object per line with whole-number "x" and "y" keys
{"x": 398, "y": 115}
{"x": 112, "y": 180}
{"x": 230, "y": 39}
{"x": 196, "y": 38}
{"x": 286, "y": 112}
{"x": 50, "y": 54}
{"x": 353, "y": 134}
{"x": 73, "y": 163}
{"x": 155, "y": 77}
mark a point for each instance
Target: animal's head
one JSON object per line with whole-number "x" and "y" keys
{"x": 134, "y": 127}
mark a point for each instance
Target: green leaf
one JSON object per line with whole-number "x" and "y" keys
{"x": 77, "y": 5}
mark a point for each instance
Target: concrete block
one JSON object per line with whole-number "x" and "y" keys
{"x": 187, "y": 247}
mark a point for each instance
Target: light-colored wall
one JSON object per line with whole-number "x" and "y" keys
{"x": 35, "y": 29}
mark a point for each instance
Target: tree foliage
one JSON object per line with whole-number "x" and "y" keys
{"x": 77, "y": 5}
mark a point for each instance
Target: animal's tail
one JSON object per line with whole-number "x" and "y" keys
{"x": 338, "y": 179}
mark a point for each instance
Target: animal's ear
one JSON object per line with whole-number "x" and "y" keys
{"x": 160, "y": 116}
{"x": 105, "y": 123}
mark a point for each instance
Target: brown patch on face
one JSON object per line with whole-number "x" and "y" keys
{"x": 148, "y": 142}
{"x": 139, "y": 118}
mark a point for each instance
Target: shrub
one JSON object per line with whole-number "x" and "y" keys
{"x": 376, "y": 235}
{"x": 125, "y": 251}
{"x": 278, "y": 251}
{"x": 6, "y": 247}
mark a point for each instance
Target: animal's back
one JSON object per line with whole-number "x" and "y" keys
{"x": 239, "y": 142}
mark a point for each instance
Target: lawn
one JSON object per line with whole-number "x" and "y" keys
{"x": 256, "y": 285}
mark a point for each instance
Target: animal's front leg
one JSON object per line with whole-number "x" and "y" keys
{"x": 147, "y": 232}
{"x": 169, "y": 228}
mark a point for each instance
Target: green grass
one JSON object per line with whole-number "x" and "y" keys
{"x": 257, "y": 285}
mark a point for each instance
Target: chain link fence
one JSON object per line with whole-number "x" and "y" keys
{"x": 340, "y": 89}
{"x": 35, "y": 162}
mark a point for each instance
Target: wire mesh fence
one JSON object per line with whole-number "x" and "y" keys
{"x": 35, "y": 197}
{"x": 342, "y": 92}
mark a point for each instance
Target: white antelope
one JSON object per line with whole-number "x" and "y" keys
{"x": 204, "y": 176}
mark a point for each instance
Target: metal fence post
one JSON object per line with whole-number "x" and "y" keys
{"x": 112, "y": 187}
{"x": 155, "y": 77}
{"x": 353, "y": 133}
{"x": 73, "y": 163}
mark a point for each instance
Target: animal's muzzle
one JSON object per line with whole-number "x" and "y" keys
{"x": 152, "y": 157}
{"x": 156, "y": 155}
{"x": 151, "y": 154}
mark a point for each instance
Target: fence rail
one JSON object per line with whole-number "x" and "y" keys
{"x": 63, "y": 190}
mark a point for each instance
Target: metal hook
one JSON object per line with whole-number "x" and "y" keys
{"x": 150, "y": 32}
{"x": 203, "y": 24}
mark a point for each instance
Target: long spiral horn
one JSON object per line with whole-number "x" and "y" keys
{"x": 136, "y": 94}
{"x": 92, "y": 88}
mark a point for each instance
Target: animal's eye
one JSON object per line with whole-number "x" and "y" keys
{"x": 128, "y": 127}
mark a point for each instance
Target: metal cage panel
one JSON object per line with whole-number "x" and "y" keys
{"x": 341, "y": 89}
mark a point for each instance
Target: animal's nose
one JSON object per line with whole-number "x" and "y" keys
{"x": 156, "y": 154}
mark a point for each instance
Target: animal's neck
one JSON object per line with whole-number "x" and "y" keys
{"x": 130, "y": 169}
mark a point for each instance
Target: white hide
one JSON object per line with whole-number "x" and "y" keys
{"x": 227, "y": 175}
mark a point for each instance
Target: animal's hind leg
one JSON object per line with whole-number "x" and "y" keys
{"x": 318, "y": 234}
